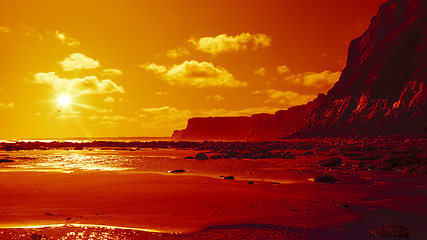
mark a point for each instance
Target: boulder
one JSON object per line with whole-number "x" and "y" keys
{"x": 201, "y": 156}
{"x": 228, "y": 178}
{"x": 177, "y": 171}
{"x": 325, "y": 179}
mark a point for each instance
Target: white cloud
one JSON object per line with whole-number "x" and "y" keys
{"x": 260, "y": 71}
{"x": 162, "y": 93}
{"x": 5, "y": 29}
{"x": 178, "y": 52}
{"x": 104, "y": 110}
{"x": 193, "y": 73}
{"x": 88, "y": 85}
{"x": 109, "y": 100}
{"x": 114, "y": 118}
{"x": 9, "y": 105}
{"x": 285, "y": 98}
{"x": 78, "y": 61}
{"x": 111, "y": 72}
{"x": 316, "y": 80}
{"x": 224, "y": 43}
{"x": 217, "y": 98}
{"x": 283, "y": 69}
{"x": 66, "y": 40}
{"x": 158, "y": 109}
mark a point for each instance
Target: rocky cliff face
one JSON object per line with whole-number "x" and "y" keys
{"x": 257, "y": 127}
{"x": 382, "y": 90}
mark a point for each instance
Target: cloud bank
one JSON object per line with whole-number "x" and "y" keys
{"x": 194, "y": 73}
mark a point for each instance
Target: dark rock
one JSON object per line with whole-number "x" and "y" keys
{"x": 325, "y": 179}
{"x": 247, "y": 155}
{"x": 38, "y": 237}
{"x": 231, "y": 154}
{"x": 6, "y": 160}
{"x": 217, "y": 156}
{"x": 250, "y": 182}
{"x": 421, "y": 170}
{"x": 308, "y": 153}
{"x": 177, "y": 171}
{"x": 201, "y": 156}
{"x": 411, "y": 168}
{"x": 331, "y": 162}
{"x": 228, "y": 178}
{"x": 391, "y": 231}
{"x": 189, "y": 157}
{"x": 353, "y": 154}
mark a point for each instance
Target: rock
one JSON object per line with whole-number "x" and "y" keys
{"x": 325, "y": 179}
{"x": 201, "y": 156}
{"x": 421, "y": 170}
{"x": 189, "y": 157}
{"x": 231, "y": 154}
{"x": 411, "y": 168}
{"x": 308, "y": 153}
{"x": 6, "y": 160}
{"x": 228, "y": 177}
{"x": 177, "y": 171}
{"x": 250, "y": 182}
{"x": 391, "y": 231}
{"x": 353, "y": 154}
{"x": 38, "y": 237}
{"x": 217, "y": 156}
{"x": 331, "y": 162}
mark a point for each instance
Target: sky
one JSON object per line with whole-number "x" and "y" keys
{"x": 133, "y": 68}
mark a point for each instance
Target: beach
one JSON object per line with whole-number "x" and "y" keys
{"x": 268, "y": 199}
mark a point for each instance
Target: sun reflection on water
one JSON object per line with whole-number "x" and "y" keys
{"x": 75, "y": 162}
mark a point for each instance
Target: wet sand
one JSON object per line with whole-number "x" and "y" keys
{"x": 284, "y": 201}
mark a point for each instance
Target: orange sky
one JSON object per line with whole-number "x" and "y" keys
{"x": 142, "y": 68}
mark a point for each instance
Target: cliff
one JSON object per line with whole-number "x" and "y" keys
{"x": 381, "y": 91}
{"x": 257, "y": 127}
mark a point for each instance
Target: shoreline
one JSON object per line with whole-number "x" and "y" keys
{"x": 283, "y": 200}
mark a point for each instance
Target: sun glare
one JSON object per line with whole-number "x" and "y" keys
{"x": 64, "y": 100}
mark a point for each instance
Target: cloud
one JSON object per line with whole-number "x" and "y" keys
{"x": 5, "y": 29}
{"x": 66, "y": 40}
{"x": 286, "y": 98}
{"x": 109, "y": 100}
{"x": 114, "y": 118}
{"x": 178, "y": 52}
{"x": 9, "y": 105}
{"x": 224, "y": 43}
{"x": 77, "y": 61}
{"x": 88, "y": 85}
{"x": 217, "y": 98}
{"x": 316, "y": 80}
{"x": 104, "y": 110}
{"x": 193, "y": 73}
{"x": 111, "y": 72}
{"x": 282, "y": 69}
{"x": 158, "y": 110}
{"x": 70, "y": 115}
{"x": 260, "y": 71}
{"x": 162, "y": 93}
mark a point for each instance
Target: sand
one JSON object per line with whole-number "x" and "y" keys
{"x": 198, "y": 204}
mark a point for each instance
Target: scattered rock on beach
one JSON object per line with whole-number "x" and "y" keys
{"x": 37, "y": 237}
{"x": 325, "y": 179}
{"x": 201, "y": 156}
{"x": 177, "y": 171}
{"x": 391, "y": 231}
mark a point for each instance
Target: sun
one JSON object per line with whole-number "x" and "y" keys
{"x": 64, "y": 101}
